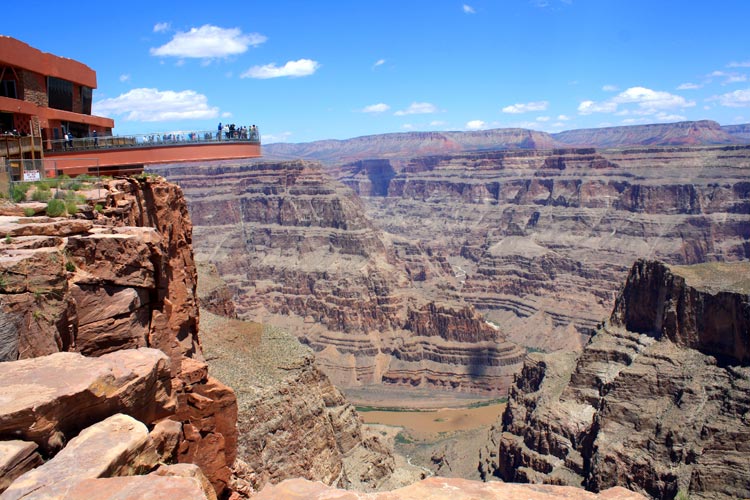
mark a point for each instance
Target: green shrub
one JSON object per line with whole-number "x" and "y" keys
{"x": 70, "y": 267}
{"x": 41, "y": 195}
{"x": 18, "y": 192}
{"x": 42, "y": 186}
{"x": 71, "y": 207}
{"x": 55, "y": 207}
{"x": 29, "y": 212}
{"x": 99, "y": 208}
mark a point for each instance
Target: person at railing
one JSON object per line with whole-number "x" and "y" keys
{"x": 96, "y": 139}
{"x": 253, "y": 133}
{"x": 218, "y": 133}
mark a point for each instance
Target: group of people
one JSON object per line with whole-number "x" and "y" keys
{"x": 231, "y": 131}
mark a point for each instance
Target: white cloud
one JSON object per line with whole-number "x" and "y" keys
{"x": 438, "y": 123}
{"x": 689, "y": 86}
{"x": 669, "y": 117}
{"x": 741, "y": 64}
{"x": 418, "y": 108}
{"x": 610, "y": 88}
{"x": 468, "y": 9}
{"x": 161, "y": 27}
{"x": 543, "y": 119}
{"x": 280, "y": 137}
{"x": 475, "y": 125}
{"x": 226, "y": 114}
{"x": 294, "y": 69}
{"x": 588, "y": 107}
{"x": 563, "y": 118}
{"x": 376, "y": 108}
{"x": 646, "y": 101}
{"x": 153, "y": 105}
{"x": 736, "y": 99}
{"x": 526, "y": 107}
{"x": 124, "y": 78}
{"x": 378, "y": 63}
{"x": 729, "y": 77}
{"x": 407, "y": 126}
{"x": 209, "y": 42}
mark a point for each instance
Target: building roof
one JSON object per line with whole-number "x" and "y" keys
{"x": 22, "y": 55}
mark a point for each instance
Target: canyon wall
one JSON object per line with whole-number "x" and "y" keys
{"x": 657, "y": 402}
{"x": 298, "y": 251}
{"x": 118, "y": 286}
{"x": 538, "y": 241}
{"x": 292, "y": 421}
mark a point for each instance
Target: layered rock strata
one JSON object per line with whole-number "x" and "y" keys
{"x": 109, "y": 285}
{"x": 293, "y": 422}
{"x": 539, "y": 241}
{"x": 657, "y": 402}
{"x": 297, "y": 249}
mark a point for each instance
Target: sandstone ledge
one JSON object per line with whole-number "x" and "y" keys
{"x": 438, "y": 488}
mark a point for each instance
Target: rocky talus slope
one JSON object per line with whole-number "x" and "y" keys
{"x": 292, "y": 421}
{"x": 102, "y": 371}
{"x": 539, "y": 241}
{"x": 297, "y": 250}
{"x": 657, "y": 402}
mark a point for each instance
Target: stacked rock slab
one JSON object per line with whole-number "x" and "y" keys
{"x": 110, "y": 284}
{"x": 298, "y": 251}
{"x": 657, "y": 402}
{"x": 439, "y": 488}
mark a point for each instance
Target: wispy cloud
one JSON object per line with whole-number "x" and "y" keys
{"x": 209, "y": 42}
{"x": 153, "y": 105}
{"x": 526, "y": 107}
{"x": 378, "y": 63}
{"x": 728, "y": 76}
{"x": 418, "y": 108}
{"x": 161, "y": 27}
{"x": 689, "y": 86}
{"x": 125, "y": 77}
{"x": 563, "y": 118}
{"x": 736, "y": 99}
{"x": 438, "y": 123}
{"x": 741, "y": 64}
{"x": 646, "y": 102}
{"x": 376, "y": 108}
{"x": 468, "y": 9}
{"x": 610, "y": 88}
{"x": 279, "y": 137}
{"x": 475, "y": 125}
{"x": 294, "y": 69}
{"x": 226, "y": 114}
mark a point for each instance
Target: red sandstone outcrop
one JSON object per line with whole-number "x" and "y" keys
{"x": 656, "y": 402}
{"x": 297, "y": 249}
{"x": 693, "y": 133}
{"x": 438, "y": 488}
{"x": 107, "y": 286}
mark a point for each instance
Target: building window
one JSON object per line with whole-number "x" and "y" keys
{"x": 8, "y": 89}
{"x": 60, "y": 93}
{"x": 86, "y": 95}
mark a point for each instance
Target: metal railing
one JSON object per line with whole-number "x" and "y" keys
{"x": 251, "y": 135}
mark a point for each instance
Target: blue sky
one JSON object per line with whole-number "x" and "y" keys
{"x": 310, "y": 70}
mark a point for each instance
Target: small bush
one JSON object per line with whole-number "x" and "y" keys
{"x": 55, "y": 207}
{"x": 70, "y": 267}
{"x": 18, "y": 192}
{"x": 71, "y": 207}
{"x": 42, "y": 186}
{"x": 29, "y": 212}
{"x": 99, "y": 208}
{"x": 8, "y": 239}
{"x": 40, "y": 195}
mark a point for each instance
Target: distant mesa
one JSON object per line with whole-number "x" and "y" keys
{"x": 410, "y": 144}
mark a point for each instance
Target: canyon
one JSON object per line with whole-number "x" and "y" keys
{"x": 657, "y": 401}
{"x": 297, "y": 250}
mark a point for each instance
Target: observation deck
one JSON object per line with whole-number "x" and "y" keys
{"x": 127, "y": 155}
